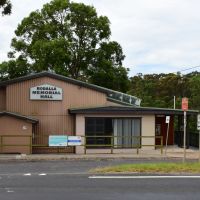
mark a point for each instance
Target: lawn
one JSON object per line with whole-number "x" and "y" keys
{"x": 151, "y": 168}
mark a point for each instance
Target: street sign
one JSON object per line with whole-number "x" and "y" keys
{"x": 185, "y": 104}
{"x": 74, "y": 140}
{"x": 167, "y": 119}
{"x": 198, "y": 122}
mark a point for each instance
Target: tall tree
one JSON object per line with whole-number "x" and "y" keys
{"x": 6, "y": 6}
{"x": 70, "y": 39}
{"x": 159, "y": 89}
{"x": 194, "y": 85}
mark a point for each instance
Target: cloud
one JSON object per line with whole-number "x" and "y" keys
{"x": 156, "y": 36}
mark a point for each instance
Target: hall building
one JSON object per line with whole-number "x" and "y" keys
{"x": 37, "y": 106}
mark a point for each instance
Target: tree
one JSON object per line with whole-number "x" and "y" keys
{"x": 13, "y": 69}
{"x": 194, "y": 84}
{"x": 6, "y": 6}
{"x": 70, "y": 39}
{"x": 159, "y": 89}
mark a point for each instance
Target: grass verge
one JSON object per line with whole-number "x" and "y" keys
{"x": 151, "y": 168}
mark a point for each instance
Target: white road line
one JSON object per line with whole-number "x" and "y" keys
{"x": 49, "y": 173}
{"x": 140, "y": 177}
{"x": 43, "y": 174}
{"x": 8, "y": 190}
{"x": 28, "y": 174}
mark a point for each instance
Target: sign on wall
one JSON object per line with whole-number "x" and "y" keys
{"x": 74, "y": 140}
{"x": 57, "y": 140}
{"x": 46, "y": 92}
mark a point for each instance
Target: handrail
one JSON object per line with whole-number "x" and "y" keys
{"x": 110, "y": 144}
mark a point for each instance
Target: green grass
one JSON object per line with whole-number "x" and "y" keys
{"x": 151, "y": 168}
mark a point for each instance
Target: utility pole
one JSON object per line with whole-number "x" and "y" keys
{"x": 184, "y": 137}
{"x": 198, "y": 128}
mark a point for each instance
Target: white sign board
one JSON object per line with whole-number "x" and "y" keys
{"x": 74, "y": 140}
{"x": 46, "y": 92}
{"x": 167, "y": 119}
{"x": 57, "y": 140}
{"x": 198, "y": 122}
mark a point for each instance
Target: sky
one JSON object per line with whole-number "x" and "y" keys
{"x": 157, "y": 36}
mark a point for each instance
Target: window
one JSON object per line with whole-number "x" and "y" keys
{"x": 124, "y": 130}
{"x": 98, "y": 127}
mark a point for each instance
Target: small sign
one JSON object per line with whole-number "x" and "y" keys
{"x": 57, "y": 140}
{"x": 198, "y": 122}
{"x": 74, "y": 140}
{"x": 46, "y": 92}
{"x": 167, "y": 119}
{"x": 185, "y": 104}
{"x": 198, "y": 117}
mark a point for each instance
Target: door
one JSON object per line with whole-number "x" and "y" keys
{"x": 161, "y": 130}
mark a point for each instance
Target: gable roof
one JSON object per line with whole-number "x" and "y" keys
{"x": 120, "y": 97}
{"x": 129, "y": 110}
{"x": 18, "y": 116}
{"x": 54, "y": 76}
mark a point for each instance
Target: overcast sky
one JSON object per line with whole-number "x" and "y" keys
{"x": 157, "y": 36}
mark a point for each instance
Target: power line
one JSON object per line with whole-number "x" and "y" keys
{"x": 188, "y": 69}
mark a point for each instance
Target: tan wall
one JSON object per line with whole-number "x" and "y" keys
{"x": 2, "y": 99}
{"x": 147, "y": 128}
{"x": 80, "y": 130}
{"x": 15, "y": 132}
{"x": 53, "y": 116}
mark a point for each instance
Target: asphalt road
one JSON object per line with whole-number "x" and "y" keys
{"x": 56, "y": 180}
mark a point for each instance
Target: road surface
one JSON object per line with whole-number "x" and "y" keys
{"x": 60, "y": 180}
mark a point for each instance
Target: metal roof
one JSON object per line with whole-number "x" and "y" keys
{"x": 18, "y": 116}
{"x": 120, "y": 97}
{"x": 129, "y": 110}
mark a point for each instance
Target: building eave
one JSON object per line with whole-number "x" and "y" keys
{"x": 130, "y": 110}
{"x": 19, "y": 116}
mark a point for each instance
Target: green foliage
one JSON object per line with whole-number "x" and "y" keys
{"x": 14, "y": 68}
{"x": 194, "y": 85}
{"x": 6, "y": 6}
{"x": 70, "y": 39}
{"x": 158, "y": 90}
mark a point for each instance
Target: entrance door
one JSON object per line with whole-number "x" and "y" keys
{"x": 161, "y": 130}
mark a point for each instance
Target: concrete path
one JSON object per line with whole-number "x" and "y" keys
{"x": 172, "y": 152}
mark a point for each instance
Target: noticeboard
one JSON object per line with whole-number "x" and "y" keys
{"x": 58, "y": 140}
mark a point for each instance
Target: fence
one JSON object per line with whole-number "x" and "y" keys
{"x": 113, "y": 141}
{"x": 109, "y": 142}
